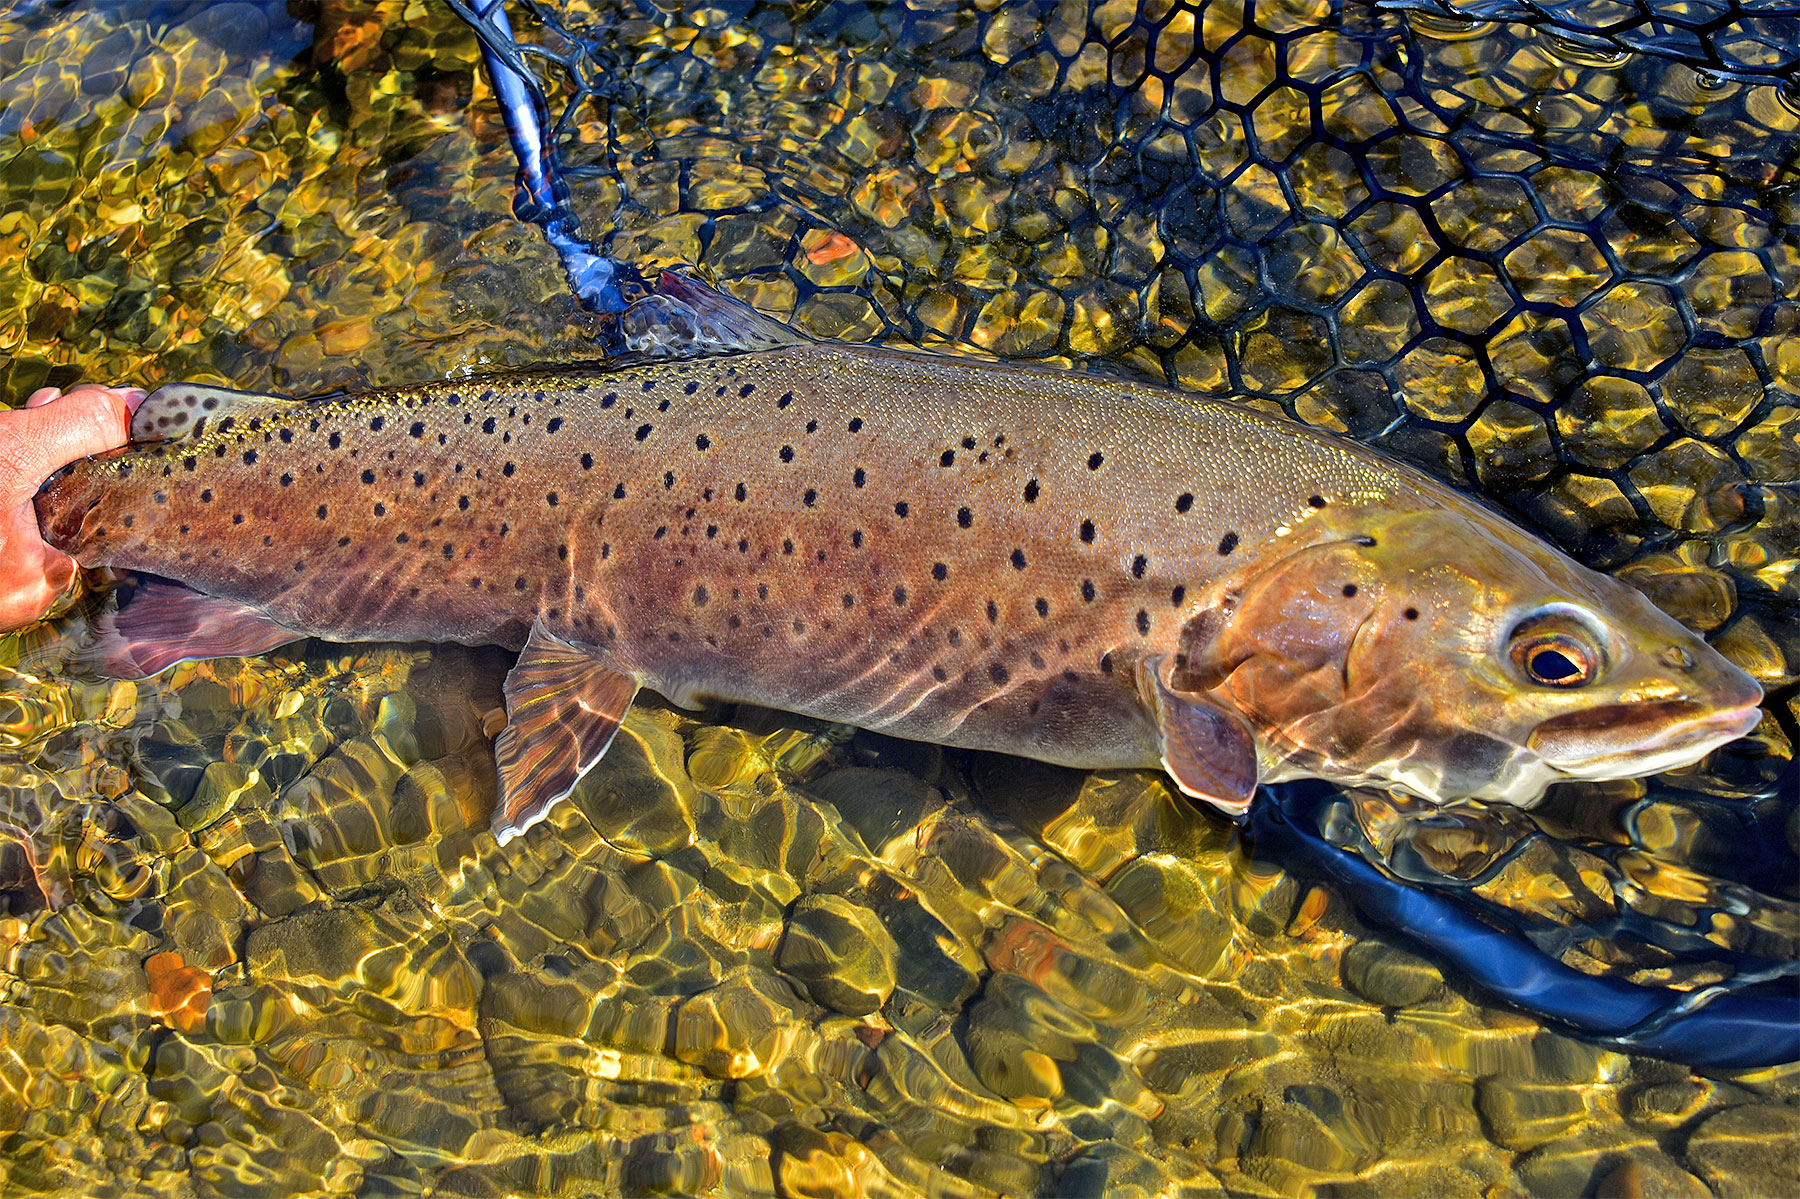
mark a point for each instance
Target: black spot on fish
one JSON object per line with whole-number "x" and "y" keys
{"x": 812, "y": 426}
{"x": 1106, "y": 663}
{"x": 787, "y": 453}
{"x": 856, "y": 424}
{"x": 618, "y": 491}
{"x": 691, "y": 388}
{"x": 380, "y": 509}
{"x": 508, "y": 469}
{"x": 449, "y": 551}
{"x": 1087, "y": 590}
{"x": 702, "y": 442}
{"x": 998, "y": 673}
{"x": 402, "y": 538}
{"x": 993, "y": 612}
{"x": 249, "y": 457}
{"x": 322, "y": 511}
{"x": 1411, "y": 614}
{"x": 551, "y": 498}
{"x": 334, "y": 441}
{"x": 287, "y": 436}
{"x": 1031, "y": 491}
{"x": 418, "y": 478}
{"x": 899, "y": 597}
{"x": 809, "y": 497}
{"x": 1184, "y": 501}
{"x": 859, "y": 478}
{"x": 1042, "y": 606}
{"x": 740, "y": 494}
{"x": 1143, "y": 621}
{"x": 1317, "y": 501}
{"x": 205, "y": 498}
{"x": 947, "y": 458}
{"x": 556, "y": 422}
{"x": 968, "y": 443}
{"x": 1176, "y": 596}
{"x": 376, "y": 424}
{"x": 605, "y": 551}
{"x": 188, "y": 463}
{"x": 939, "y": 571}
{"x": 1095, "y": 459}
{"x": 609, "y": 399}
{"x": 787, "y": 545}
{"x": 662, "y": 531}
{"x": 368, "y": 476}
{"x": 900, "y": 509}
{"x": 1349, "y": 590}
{"x": 712, "y": 531}
{"x": 1138, "y": 565}
{"x": 417, "y": 430}
{"x": 856, "y": 538}
{"x": 749, "y": 388}
{"x": 954, "y": 637}
{"x": 587, "y": 462}
{"x": 643, "y": 431}
{"x": 669, "y": 482}
{"x": 1228, "y": 543}
{"x": 964, "y": 517}
{"x": 1087, "y": 530}
{"x": 1018, "y": 558}
{"x": 849, "y": 600}
{"x": 937, "y": 672}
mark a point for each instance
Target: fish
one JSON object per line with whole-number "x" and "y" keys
{"x": 1078, "y": 568}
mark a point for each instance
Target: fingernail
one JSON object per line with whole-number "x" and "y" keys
{"x": 42, "y": 396}
{"x": 133, "y": 397}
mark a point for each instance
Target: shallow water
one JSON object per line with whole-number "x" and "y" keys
{"x": 257, "y": 939}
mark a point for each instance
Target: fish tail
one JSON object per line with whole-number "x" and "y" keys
{"x": 65, "y": 505}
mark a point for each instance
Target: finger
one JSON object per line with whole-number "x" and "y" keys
{"x": 82, "y": 422}
{"x": 42, "y": 396}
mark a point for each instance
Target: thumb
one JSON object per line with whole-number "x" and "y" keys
{"x": 37, "y": 441}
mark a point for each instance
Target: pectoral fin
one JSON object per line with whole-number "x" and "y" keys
{"x": 562, "y": 710}
{"x": 1207, "y": 749}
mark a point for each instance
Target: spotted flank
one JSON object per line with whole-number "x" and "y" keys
{"x": 1070, "y": 567}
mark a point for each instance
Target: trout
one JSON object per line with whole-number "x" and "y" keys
{"x": 1085, "y": 570}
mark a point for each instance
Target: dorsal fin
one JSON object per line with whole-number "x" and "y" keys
{"x": 179, "y": 411}
{"x": 687, "y": 319}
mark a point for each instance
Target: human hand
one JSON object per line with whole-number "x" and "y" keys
{"x": 51, "y": 431}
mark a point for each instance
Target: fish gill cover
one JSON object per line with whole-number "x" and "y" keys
{"x": 247, "y": 896}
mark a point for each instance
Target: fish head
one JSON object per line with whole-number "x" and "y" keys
{"x": 1450, "y": 655}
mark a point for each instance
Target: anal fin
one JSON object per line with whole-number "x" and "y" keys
{"x": 163, "y": 623}
{"x": 562, "y": 711}
{"x": 1208, "y": 750}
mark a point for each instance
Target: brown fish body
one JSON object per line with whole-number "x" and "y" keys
{"x": 824, "y": 529}
{"x": 1033, "y": 561}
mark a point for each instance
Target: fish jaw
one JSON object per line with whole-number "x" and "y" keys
{"x": 1623, "y": 741}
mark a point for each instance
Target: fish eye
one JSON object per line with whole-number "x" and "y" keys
{"x": 1554, "y": 651}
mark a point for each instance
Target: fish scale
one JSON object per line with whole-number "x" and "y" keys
{"x": 973, "y": 553}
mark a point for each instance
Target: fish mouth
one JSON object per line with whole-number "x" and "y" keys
{"x": 1631, "y": 740}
